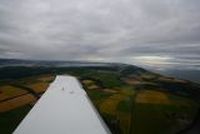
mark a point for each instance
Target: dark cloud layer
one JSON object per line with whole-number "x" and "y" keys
{"x": 162, "y": 33}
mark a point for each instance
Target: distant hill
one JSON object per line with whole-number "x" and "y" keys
{"x": 32, "y": 63}
{"x": 129, "y": 98}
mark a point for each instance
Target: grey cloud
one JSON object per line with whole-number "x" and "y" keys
{"x": 100, "y": 30}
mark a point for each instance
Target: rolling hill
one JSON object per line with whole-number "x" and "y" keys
{"x": 130, "y": 99}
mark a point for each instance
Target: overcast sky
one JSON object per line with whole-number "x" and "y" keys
{"x": 156, "y": 33}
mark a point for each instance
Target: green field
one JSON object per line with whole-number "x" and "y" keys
{"x": 11, "y": 119}
{"x": 130, "y": 101}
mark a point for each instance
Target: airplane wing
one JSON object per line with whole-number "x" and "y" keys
{"x": 63, "y": 109}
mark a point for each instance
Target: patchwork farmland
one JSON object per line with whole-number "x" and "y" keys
{"x": 130, "y": 100}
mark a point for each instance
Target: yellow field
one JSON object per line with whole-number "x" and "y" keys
{"x": 92, "y": 87}
{"x": 127, "y": 91}
{"x": 8, "y": 91}
{"x": 88, "y": 82}
{"x": 132, "y": 81}
{"x": 109, "y": 90}
{"x": 39, "y": 87}
{"x": 110, "y": 105}
{"x": 152, "y": 97}
{"x": 16, "y": 102}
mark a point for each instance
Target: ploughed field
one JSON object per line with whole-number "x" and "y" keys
{"x": 130, "y": 100}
